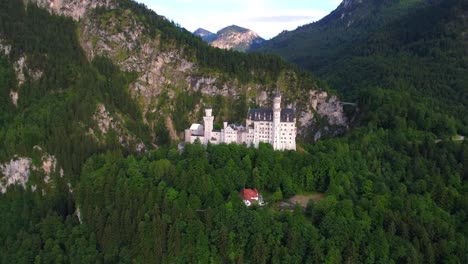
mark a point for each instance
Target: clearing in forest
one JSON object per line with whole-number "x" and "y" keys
{"x": 303, "y": 199}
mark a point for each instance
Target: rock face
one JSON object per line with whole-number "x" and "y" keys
{"x": 16, "y": 171}
{"x": 107, "y": 122}
{"x": 73, "y": 8}
{"x": 232, "y": 37}
{"x": 325, "y": 106}
{"x": 21, "y": 66}
{"x": 5, "y": 48}
{"x": 21, "y": 69}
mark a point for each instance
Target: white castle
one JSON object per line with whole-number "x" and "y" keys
{"x": 275, "y": 126}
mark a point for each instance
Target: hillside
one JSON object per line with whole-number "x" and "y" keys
{"x": 94, "y": 97}
{"x": 414, "y": 49}
{"x": 318, "y": 44}
{"x": 164, "y": 67}
{"x": 232, "y": 38}
{"x": 423, "y": 61}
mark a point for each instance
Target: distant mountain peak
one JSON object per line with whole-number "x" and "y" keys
{"x": 233, "y": 29}
{"x": 232, "y": 37}
{"x": 204, "y": 34}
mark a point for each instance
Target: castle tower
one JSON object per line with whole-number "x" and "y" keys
{"x": 208, "y": 119}
{"x": 276, "y": 127}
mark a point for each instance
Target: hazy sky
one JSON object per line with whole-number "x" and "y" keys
{"x": 266, "y": 17}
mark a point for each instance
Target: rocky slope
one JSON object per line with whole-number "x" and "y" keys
{"x": 73, "y": 8}
{"x": 40, "y": 167}
{"x": 231, "y": 37}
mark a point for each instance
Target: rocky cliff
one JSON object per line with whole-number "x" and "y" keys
{"x": 73, "y": 8}
{"x": 37, "y": 171}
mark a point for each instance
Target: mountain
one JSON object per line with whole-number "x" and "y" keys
{"x": 415, "y": 49}
{"x": 314, "y": 45}
{"x": 206, "y": 35}
{"x": 80, "y": 78}
{"x": 232, "y": 37}
{"x": 95, "y": 96}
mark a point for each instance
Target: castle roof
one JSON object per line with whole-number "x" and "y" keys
{"x": 236, "y": 127}
{"x": 287, "y": 115}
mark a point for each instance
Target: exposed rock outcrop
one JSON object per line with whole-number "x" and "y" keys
{"x": 324, "y": 105}
{"x": 16, "y": 171}
{"x": 21, "y": 67}
{"x": 49, "y": 164}
{"x": 14, "y": 97}
{"x": 73, "y": 8}
{"x": 106, "y": 122}
{"x": 328, "y": 106}
{"x": 5, "y": 48}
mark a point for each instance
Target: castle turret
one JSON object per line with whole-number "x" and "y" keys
{"x": 276, "y": 127}
{"x": 208, "y": 119}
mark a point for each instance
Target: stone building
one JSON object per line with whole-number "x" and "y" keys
{"x": 275, "y": 126}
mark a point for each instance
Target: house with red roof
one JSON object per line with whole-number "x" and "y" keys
{"x": 251, "y": 196}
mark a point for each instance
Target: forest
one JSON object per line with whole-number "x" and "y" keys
{"x": 394, "y": 185}
{"x": 389, "y": 198}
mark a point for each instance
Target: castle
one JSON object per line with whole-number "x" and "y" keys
{"x": 275, "y": 126}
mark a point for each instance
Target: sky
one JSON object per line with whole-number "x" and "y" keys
{"x": 266, "y": 17}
